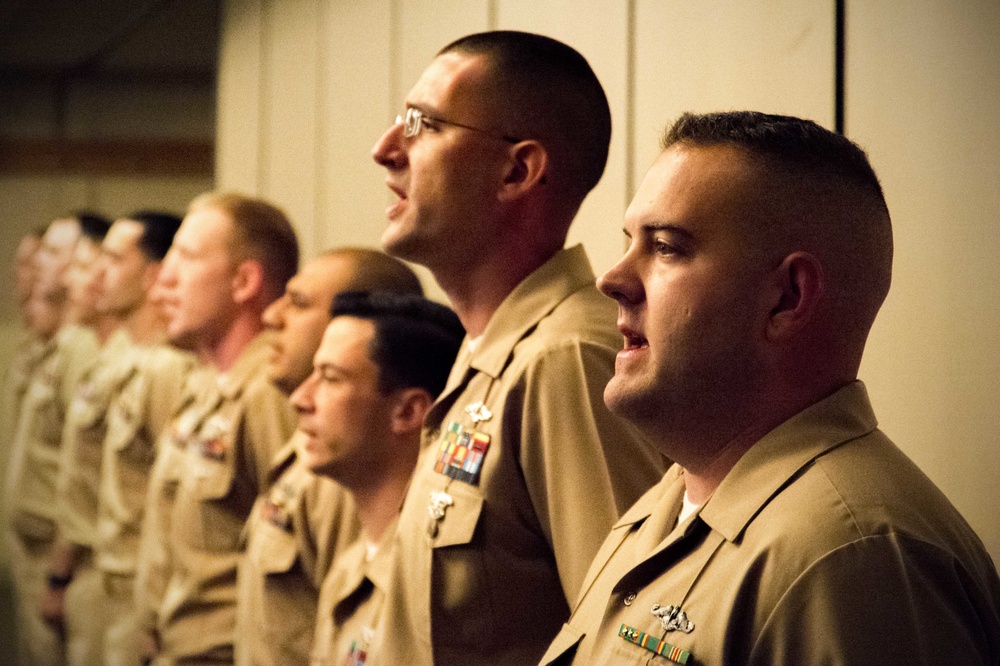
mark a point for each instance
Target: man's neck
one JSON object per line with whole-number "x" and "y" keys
{"x": 223, "y": 352}
{"x": 378, "y": 504}
{"x": 477, "y": 291}
{"x": 145, "y": 325}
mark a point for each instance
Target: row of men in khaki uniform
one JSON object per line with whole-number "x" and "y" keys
{"x": 759, "y": 254}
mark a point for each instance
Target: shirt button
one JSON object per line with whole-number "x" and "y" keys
{"x": 629, "y": 598}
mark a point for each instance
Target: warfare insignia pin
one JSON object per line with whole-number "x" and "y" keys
{"x": 478, "y": 412}
{"x": 673, "y": 618}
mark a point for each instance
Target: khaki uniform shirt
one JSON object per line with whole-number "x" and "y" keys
{"x": 136, "y": 418}
{"x": 824, "y": 544}
{"x": 524, "y": 470}
{"x": 83, "y": 440}
{"x": 28, "y": 354}
{"x": 153, "y": 566}
{"x": 295, "y": 529}
{"x": 350, "y": 602}
{"x": 226, "y": 462}
{"x": 39, "y": 432}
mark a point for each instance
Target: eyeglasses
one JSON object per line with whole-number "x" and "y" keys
{"x": 415, "y": 119}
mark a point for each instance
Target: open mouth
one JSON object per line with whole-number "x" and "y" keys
{"x": 633, "y": 340}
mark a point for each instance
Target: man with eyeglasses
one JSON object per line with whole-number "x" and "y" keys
{"x": 523, "y": 469}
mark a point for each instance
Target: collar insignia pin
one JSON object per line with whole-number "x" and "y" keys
{"x": 440, "y": 501}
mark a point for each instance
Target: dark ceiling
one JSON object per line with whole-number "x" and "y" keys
{"x": 146, "y": 40}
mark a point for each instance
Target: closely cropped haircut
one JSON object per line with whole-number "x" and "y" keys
{"x": 261, "y": 232}
{"x": 92, "y": 225}
{"x": 546, "y": 90}
{"x": 790, "y": 144}
{"x": 377, "y": 271}
{"x": 814, "y": 189}
{"x": 158, "y": 230}
{"x": 416, "y": 340}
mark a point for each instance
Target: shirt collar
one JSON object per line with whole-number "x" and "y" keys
{"x": 535, "y": 297}
{"x": 780, "y": 455}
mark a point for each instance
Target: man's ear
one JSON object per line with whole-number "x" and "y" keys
{"x": 800, "y": 284}
{"x": 248, "y": 281}
{"x": 526, "y": 169}
{"x": 412, "y": 405}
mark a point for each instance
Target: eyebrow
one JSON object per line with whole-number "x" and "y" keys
{"x": 662, "y": 226}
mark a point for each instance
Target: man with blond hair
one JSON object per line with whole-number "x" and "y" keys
{"x": 229, "y": 260}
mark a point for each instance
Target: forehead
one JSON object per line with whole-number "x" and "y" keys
{"x": 61, "y": 234}
{"x": 85, "y": 251}
{"x": 206, "y": 230}
{"x": 692, "y": 186}
{"x": 123, "y": 235}
{"x": 346, "y": 342}
{"x": 323, "y": 275}
{"x": 451, "y": 78}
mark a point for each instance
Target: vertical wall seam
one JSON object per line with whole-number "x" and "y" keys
{"x": 492, "y": 15}
{"x": 263, "y": 80}
{"x": 395, "y": 55}
{"x": 840, "y": 9}
{"x": 320, "y": 151}
{"x": 630, "y": 101}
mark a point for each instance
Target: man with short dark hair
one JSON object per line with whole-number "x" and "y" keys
{"x": 383, "y": 359}
{"x": 502, "y": 137}
{"x": 75, "y": 597}
{"x": 229, "y": 260}
{"x": 791, "y": 531}
{"x": 301, "y": 522}
{"x": 150, "y": 376}
{"x": 64, "y": 317}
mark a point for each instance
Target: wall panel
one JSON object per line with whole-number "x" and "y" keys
{"x": 604, "y": 43}
{"x": 772, "y": 55}
{"x": 237, "y": 138}
{"x": 922, "y": 95}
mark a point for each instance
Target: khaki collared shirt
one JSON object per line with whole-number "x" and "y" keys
{"x": 39, "y": 432}
{"x": 351, "y": 601}
{"x": 296, "y": 529}
{"x": 136, "y": 418}
{"x": 83, "y": 439}
{"x": 28, "y": 353}
{"x": 154, "y": 560}
{"x": 824, "y": 544}
{"x": 226, "y": 463}
{"x": 523, "y": 472}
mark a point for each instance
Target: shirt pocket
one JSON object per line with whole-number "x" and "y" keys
{"x": 275, "y": 549}
{"x": 49, "y": 417}
{"x": 460, "y": 519}
{"x": 125, "y": 437}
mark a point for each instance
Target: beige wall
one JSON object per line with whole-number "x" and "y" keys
{"x": 923, "y": 92}
{"x": 306, "y": 86}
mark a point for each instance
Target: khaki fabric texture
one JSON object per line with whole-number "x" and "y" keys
{"x": 296, "y": 529}
{"x": 351, "y": 602}
{"x": 83, "y": 440}
{"x": 153, "y": 560}
{"x": 152, "y": 392}
{"x": 226, "y": 460}
{"x": 824, "y": 544}
{"x": 511, "y": 548}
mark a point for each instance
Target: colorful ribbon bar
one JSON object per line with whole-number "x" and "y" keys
{"x": 653, "y": 644}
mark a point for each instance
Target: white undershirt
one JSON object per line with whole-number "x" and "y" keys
{"x": 687, "y": 509}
